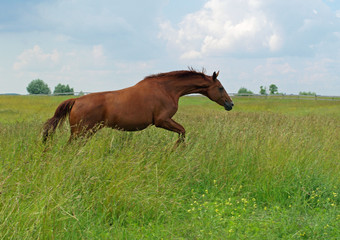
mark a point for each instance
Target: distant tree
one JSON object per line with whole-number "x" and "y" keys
{"x": 244, "y": 91}
{"x": 263, "y": 90}
{"x": 307, "y": 93}
{"x": 273, "y": 89}
{"x": 38, "y": 86}
{"x": 60, "y": 88}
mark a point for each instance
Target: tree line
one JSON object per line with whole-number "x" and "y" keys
{"x": 38, "y": 86}
{"x": 273, "y": 89}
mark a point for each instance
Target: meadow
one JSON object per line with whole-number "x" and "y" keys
{"x": 268, "y": 169}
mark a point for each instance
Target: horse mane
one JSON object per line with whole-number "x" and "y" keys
{"x": 179, "y": 74}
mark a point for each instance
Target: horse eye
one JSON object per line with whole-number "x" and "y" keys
{"x": 221, "y": 89}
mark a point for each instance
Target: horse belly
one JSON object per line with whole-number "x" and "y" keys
{"x": 129, "y": 124}
{"x": 128, "y": 119}
{"x": 130, "y": 127}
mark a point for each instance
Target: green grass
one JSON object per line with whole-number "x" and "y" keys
{"x": 268, "y": 169}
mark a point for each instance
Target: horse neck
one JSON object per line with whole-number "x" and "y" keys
{"x": 180, "y": 87}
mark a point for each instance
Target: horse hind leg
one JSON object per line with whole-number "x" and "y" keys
{"x": 82, "y": 131}
{"x": 76, "y": 133}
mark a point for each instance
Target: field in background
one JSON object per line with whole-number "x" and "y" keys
{"x": 268, "y": 169}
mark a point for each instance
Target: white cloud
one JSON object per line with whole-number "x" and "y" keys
{"x": 97, "y": 51}
{"x": 250, "y": 28}
{"x": 98, "y": 55}
{"x": 337, "y": 13}
{"x": 224, "y": 27}
{"x": 317, "y": 71}
{"x": 36, "y": 57}
{"x": 191, "y": 55}
{"x": 275, "y": 42}
{"x": 274, "y": 67}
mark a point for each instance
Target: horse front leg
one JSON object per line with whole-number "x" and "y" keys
{"x": 173, "y": 126}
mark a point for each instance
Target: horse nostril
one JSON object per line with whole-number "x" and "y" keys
{"x": 228, "y": 105}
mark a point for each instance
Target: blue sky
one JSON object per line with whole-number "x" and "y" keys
{"x": 107, "y": 45}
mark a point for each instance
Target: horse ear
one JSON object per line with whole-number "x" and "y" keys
{"x": 215, "y": 75}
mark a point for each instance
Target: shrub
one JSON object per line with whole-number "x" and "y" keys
{"x": 307, "y": 93}
{"x": 244, "y": 92}
{"x": 63, "y": 89}
{"x": 38, "y": 86}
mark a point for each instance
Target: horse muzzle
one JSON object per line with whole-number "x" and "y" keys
{"x": 228, "y": 105}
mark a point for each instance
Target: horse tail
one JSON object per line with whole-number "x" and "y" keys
{"x": 62, "y": 111}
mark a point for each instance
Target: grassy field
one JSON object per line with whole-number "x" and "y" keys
{"x": 268, "y": 169}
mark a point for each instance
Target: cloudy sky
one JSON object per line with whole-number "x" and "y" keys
{"x": 109, "y": 44}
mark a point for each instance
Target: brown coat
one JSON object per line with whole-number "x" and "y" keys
{"x": 152, "y": 101}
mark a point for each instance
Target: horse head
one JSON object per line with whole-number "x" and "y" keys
{"x": 218, "y": 94}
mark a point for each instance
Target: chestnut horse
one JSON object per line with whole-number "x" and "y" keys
{"x": 152, "y": 101}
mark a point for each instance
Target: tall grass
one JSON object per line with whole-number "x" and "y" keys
{"x": 268, "y": 169}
